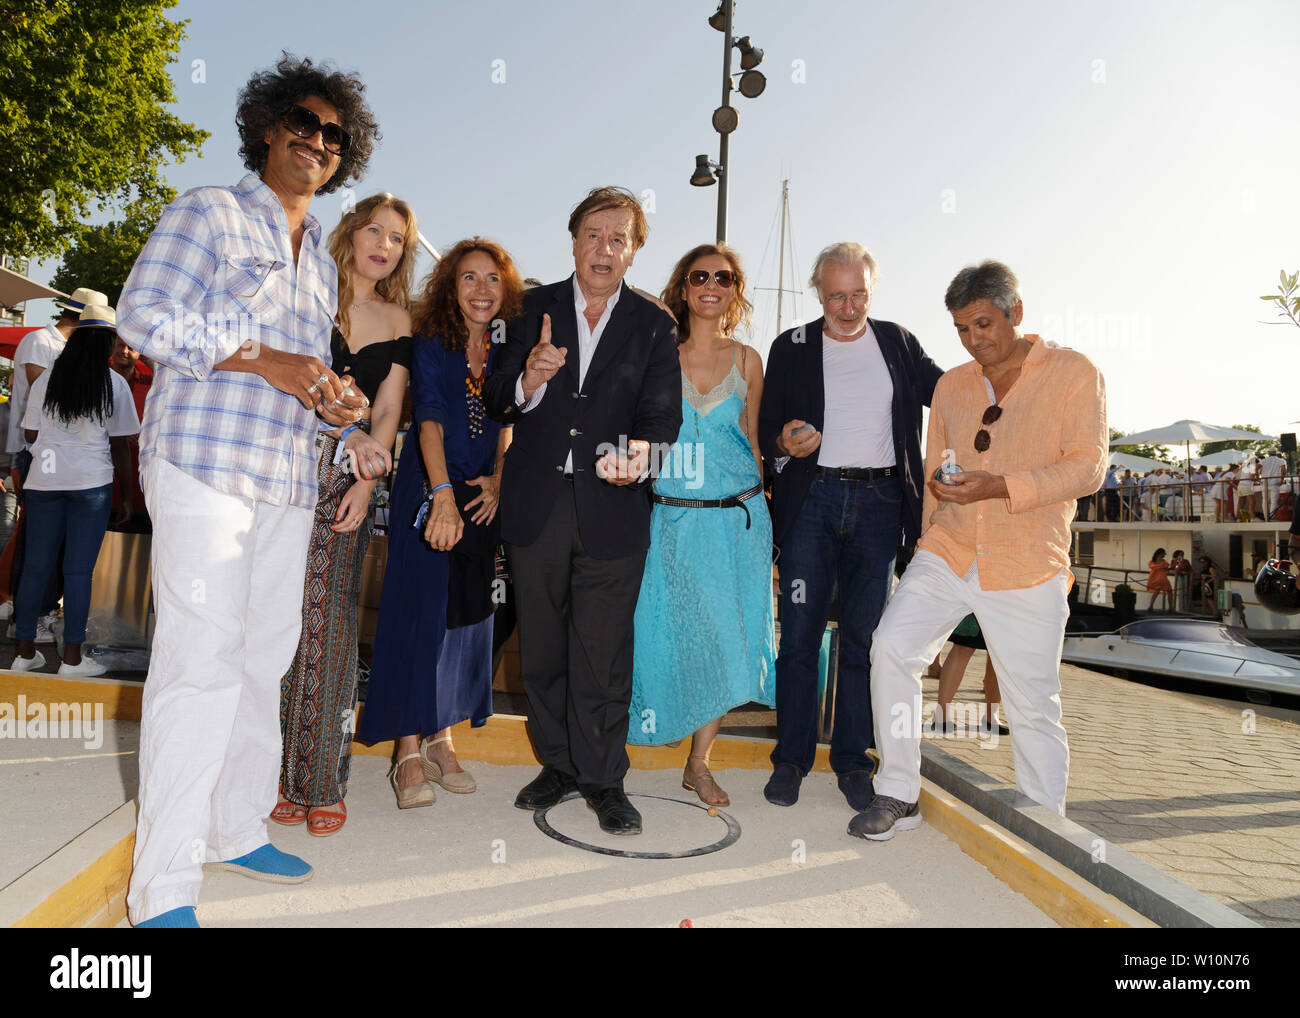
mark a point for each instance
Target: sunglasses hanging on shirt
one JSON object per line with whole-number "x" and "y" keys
{"x": 982, "y": 438}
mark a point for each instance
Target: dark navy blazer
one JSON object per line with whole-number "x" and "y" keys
{"x": 794, "y": 389}
{"x": 632, "y": 390}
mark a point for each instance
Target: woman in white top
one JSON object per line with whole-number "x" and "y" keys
{"x": 1222, "y": 492}
{"x": 79, "y": 415}
{"x": 1246, "y": 489}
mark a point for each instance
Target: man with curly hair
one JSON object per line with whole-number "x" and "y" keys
{"x": 233, "y": 298}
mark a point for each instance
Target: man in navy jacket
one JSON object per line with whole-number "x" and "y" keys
{"x": 840, "y": 426}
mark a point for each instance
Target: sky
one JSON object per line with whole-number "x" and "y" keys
{"x": 1135, "y": 163}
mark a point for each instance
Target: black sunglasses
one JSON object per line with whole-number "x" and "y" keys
{"x": 723, "y": 277}
{"x": 304, "y": 123}
{"x": 982, "y": 437}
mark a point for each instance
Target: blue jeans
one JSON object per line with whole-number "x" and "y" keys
{"x": 78, "y": 519}
{"x": 845, "y": 537}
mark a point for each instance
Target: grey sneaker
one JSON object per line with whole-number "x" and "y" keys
{"x": 885, "y": 816}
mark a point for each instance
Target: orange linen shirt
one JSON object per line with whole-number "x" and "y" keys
{"x": 1050, "y": 445}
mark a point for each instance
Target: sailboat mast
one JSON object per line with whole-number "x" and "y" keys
{"x": 780, "y": 279}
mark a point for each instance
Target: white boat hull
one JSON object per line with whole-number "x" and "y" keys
{"x": 1252, "y": 668}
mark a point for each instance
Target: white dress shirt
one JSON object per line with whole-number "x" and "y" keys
{"x": 588, "y": 340}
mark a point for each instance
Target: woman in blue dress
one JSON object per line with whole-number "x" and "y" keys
{"x": 432, "y": 663}
{"x": 704, "y": 639}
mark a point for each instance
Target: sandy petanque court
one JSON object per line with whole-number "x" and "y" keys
{"x": 475, "y": 860}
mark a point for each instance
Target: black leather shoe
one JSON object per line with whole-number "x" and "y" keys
{"x": 615, "y": 814}
{"x": 856, "y": 786}
{"x": 782, "y": 788}
{"x": 545, "y": 790}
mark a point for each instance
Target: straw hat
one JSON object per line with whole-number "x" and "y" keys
{"x": 81, "y": 297}
{"x": 100, "y": 315}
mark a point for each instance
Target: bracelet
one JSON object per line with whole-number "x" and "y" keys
{"x": 341, "y": 448}
{"x": 422, "y": 513}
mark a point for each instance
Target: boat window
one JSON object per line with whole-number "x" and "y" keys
{"x": 1183, "y": 630}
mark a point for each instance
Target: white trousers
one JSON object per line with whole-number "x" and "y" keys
{"x": 1023, "y": 629}
{"x": 227, "y": 586}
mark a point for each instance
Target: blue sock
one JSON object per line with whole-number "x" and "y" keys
{"x": 182, "y": 918}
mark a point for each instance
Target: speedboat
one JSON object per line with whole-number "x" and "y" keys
{"x": 1201, "y": 650}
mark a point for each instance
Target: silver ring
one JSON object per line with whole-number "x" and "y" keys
{"x": 314, "y": 388}
{"x": 322, "y": 380}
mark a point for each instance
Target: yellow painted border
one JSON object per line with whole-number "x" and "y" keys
{"x": 504, "y": 740}
{"x": 89, "y": 879}
{"x": 121, "y": 700}
{"x": 96, "y": 895}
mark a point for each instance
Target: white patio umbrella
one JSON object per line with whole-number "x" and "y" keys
{"x": 16, "y": 288}
{"x": 1223, "y": 458}
{"x": 1188, "y": 432}
{"x": 1138, "y": 464}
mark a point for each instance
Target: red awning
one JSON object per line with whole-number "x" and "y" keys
{"x": 10, "y": 336}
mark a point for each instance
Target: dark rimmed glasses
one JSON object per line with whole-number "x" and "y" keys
{"x": 723, "y": 277}
{"x": 304, "y": 123}
{"x": 982, "y": 437}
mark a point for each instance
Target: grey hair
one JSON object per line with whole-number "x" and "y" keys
{"x": 847, "y": 252}
{"x": 991, "y": 281}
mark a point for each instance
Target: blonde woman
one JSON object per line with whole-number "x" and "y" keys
{"x": 374, "y": 249}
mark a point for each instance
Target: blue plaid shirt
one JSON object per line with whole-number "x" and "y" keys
{"x": 218, "y": 270}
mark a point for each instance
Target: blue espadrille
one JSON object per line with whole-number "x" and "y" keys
{"x": 267, "y": 863}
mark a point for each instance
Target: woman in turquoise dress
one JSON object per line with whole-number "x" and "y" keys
{"x": 704, "y": 640}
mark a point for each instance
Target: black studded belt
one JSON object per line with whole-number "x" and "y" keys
{"x": 711, "y": 503}
{"x": 857, "y": 473}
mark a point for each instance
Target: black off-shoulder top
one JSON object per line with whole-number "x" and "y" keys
{"x": 370, "y": 365}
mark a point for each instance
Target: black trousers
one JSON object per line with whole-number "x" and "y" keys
{"x": 575, "y": 648}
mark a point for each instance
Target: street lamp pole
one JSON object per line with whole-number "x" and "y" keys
{"x": 724, "y": 166}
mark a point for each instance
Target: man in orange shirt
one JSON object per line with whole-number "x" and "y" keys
{"x": 1028, "y": 421}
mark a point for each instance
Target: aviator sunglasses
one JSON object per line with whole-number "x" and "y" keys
{"x": 304, "y": 123}
{"x": 723, "y": 277}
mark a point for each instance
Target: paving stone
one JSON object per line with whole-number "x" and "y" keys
{"x": 1183, "y": 864}
{"x": 1279, "y": 909}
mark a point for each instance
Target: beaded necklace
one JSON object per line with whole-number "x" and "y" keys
{"x": 474, "y": 395}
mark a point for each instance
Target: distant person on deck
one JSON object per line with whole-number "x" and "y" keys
{"x": 1110, "y": 489}
{"x": 1272, "y": 469}
{"x": 1158, "y": 580}
{"x": 1025, "y": 426}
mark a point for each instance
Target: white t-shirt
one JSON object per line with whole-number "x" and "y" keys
{"x": 859, "y": 427}
{"x": 40, "y": 347}
{"x": 1272, "y": 466}
{"x": 74, "y": 457}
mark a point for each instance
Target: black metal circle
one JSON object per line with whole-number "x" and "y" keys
{"x": 730, "y": 838}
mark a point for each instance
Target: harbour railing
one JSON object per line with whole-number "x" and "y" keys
{"x": 1218, "y": 500}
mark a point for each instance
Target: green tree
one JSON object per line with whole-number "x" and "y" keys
{"x": 1151, "y": 452}
{"x": 1287, "y": 298}
{"x": 84, "y": 92}
{"x": 101, "y": 256}
{"x": 1259, "y": 447}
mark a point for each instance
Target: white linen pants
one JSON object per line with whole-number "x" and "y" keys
{"x": 227, "y": 586}
{"x": 1023, "y": 629}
